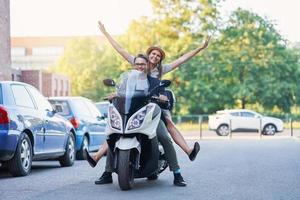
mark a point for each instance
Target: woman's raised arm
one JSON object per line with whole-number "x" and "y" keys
{"x": 176, "y": 63}
{"x": 115, "y": 45}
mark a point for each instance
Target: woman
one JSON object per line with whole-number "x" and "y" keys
{"x": 157, "y": 70}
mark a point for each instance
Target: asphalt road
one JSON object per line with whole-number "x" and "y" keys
{"x": 225, "y": 169}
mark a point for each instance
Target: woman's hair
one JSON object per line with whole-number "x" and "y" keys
{"x": 159, "y": 67}
{"x": 140, "y": 55}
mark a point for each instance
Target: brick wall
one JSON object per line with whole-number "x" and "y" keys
{"x": 32, "y": 77}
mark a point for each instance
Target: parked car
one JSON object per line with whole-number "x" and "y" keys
{"x": 86, "y": 119}
{"x": 103, "y": 107}
{"x": 243, "y": 120}
{"x": 30, "y": 129}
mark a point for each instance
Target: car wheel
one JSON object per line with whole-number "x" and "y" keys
{"x": 68, "y": 158}
{"x": 223, "y": 130}
{"x": 20, "y": 164}
{"x": 84, "y": 145}
{"x": 269, "y": 129}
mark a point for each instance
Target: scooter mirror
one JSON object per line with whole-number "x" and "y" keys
{"x": 109, "y": 82}
{"x": 165, "y": 83}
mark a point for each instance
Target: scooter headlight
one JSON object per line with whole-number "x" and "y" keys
{"x": 115, "y": 119}
{"x": 137, "y": 120}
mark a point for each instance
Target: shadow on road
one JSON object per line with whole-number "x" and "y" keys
{"x": 37, "y": 167}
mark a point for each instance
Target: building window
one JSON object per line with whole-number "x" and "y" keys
{"x": 18, "y": 51}
{"x": 56, "y": 84}
{"x": 47, "y": 51}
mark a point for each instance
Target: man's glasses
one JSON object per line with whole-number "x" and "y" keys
{"x": 140, "y": 64}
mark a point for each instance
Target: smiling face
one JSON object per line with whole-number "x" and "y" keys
{"x": 155, "y": 56}
{"x": 140, "y": 64}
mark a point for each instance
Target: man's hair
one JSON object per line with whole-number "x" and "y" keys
{"x": 140, "y": 55}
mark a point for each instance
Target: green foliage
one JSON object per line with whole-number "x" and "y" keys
{"x": 87, "y": 65}
{"x": 247, "y": 65}
{"x": 255, "y": 64}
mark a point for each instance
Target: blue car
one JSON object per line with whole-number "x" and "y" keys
{"x": 103, "y": 108}
{"x": 88, "y": 122}
{"x": 30, "y": 129}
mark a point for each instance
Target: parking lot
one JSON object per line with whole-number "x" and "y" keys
{"x": 225, "y": 169}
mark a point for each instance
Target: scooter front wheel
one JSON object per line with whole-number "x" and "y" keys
{"x": 125, "y": 170}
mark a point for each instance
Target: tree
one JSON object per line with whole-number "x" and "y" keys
{"x": 87, "y": 65}
{"x": 254, "y": 64}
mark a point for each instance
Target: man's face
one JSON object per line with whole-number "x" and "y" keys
{"x": 140, "y": 64}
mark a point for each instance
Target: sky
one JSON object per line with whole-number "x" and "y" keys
{"x": 79, "y": 17}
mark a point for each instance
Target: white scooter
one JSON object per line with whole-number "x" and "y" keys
{"x": 131, "y": 131}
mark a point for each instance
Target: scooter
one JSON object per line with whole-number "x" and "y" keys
{"x": 131, "y": 131}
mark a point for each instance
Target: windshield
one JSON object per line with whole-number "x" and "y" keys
{"x": 132, "y": 92}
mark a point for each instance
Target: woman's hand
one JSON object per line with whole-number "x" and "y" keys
{"x": 101, "y": 27}
{"x": 205, "y": 43}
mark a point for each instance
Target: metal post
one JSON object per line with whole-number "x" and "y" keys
{"x": 292, "y": 132}
{"x": 260, "y": 131}
{"x": 230, "y": 131}
{"x": 179, "y": 119}
{"x": 200, "y": 124}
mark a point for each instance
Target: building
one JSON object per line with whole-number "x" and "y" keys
{"x": 32, "y": 56}
{"x": 5, "y": 61}
{"x": 40, "y": 52}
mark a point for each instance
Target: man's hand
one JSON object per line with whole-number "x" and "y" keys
{"x": 163, "y": 98}
{"x": 110, "y": 97}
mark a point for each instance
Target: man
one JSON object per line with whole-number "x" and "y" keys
{"x": 140, "y": 64}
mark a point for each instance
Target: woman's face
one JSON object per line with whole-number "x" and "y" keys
{"x": 140, "y": 64}
{"x": 155, "y": 57}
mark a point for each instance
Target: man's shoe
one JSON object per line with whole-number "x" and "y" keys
{"x": 195, "y": 151}
{"x": 106, "y": 178}
{"x": 152, "y": 177}
{"x": 178, "y": 180}
{"x": 89, "y": 158}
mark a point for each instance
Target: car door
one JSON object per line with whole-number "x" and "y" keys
{"x": 249, "y": 121}
{"x": 97, "y": 125}
{"x": 235, "y": 120}
{"x": 55, "y": 131}
{"x": 29, "y": 115}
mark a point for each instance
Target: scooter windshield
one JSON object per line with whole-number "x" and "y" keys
{"x": 132, "y": 92}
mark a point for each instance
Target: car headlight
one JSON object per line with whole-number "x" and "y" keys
{"x": 115, "y": 119}
{"x": 137, "y": 120}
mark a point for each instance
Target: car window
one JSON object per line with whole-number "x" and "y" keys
{"x": 65, "y": 107}
{"x": 235, "y": 114}
{"x": 93, "y": 109}
{"x": 80, "y": 108}
{"x": 41, "y": 102}
{"x": 103, "y": 108}
{"x": 247, "y": 114}
{"x": 21, "y": 96}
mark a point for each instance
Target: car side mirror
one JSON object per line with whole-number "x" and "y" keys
{"x": 109, "y": 82}
{"x": 100, "y": 118}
